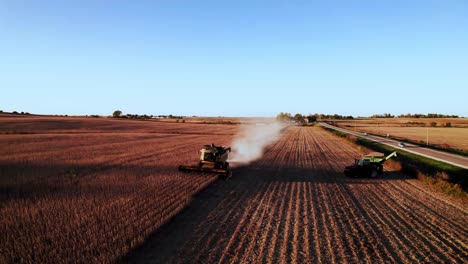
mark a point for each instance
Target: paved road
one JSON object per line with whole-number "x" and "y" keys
{"x": 449, "y": 158}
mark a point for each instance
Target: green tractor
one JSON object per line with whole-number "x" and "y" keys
{"x": 370, "y": 165}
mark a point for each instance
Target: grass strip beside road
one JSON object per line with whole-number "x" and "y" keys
{"x": 446, "y": 177}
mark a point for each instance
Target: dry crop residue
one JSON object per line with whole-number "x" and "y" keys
{"x": 295, "y": 206}
{"x": 89, "y": 190}
{"x": 416, "y": 130}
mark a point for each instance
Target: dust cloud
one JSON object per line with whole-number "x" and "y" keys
{"x": 249, "y": 143}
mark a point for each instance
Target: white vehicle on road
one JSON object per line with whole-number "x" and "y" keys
{"x": 401, "y": 145}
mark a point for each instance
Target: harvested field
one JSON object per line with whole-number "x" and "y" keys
{"x": 86, "y": 190}
{"x": 443, "y": 137}
{"x": 295, "y": 206}
{"x": 70, "y": 125}
{"x": 98, "y": 190}
{"x": 416, "y": 130}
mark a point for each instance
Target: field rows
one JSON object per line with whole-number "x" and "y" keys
{"x": 47, "y": 126}
{"x": 92, "y": 198}
{"x": 295, "y": 206}
{"x": 97, "y": 195}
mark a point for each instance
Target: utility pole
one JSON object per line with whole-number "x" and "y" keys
{"x": 427, "y": 136}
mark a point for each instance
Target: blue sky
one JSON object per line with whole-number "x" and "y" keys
{"x": 234, "y": 58}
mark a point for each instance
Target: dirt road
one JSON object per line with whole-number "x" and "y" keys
{"x": 295, "y": 206}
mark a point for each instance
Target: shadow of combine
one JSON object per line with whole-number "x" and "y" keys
{"x": 28, "y": 180}
{"x": 310, "y": 175}
{"x": 210, "y": 206}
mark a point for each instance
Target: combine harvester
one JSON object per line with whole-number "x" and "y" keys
{"x": 213, "y": 159}
{"x": 371, "y": 165}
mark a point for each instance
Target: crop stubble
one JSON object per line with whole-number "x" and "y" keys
{"x": 73, "y": 195}
{"x": 295, "y": 206}
{"x": 78, "y": 196}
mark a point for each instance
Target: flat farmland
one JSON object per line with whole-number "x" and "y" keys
{"x": 443, "y": 137}
{"x": 416, "y": 130}
{"x": 70, "y": 125}
{"x": 104, "y": 190}
{"x": 295, "y": 206}
{"x": 90, "y": 190}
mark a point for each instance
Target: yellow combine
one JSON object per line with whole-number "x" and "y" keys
{"x": 213, "y": 159}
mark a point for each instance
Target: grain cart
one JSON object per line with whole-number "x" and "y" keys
{"x": 370, "y": 165}
{"x": 213, "y": 159}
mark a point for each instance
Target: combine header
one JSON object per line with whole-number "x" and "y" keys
{"x": 371, "y": 165}
{"x": 213, "y": 159}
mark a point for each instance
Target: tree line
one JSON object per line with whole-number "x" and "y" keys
{"x": 118, "y": 114}
{"x": 310, "y": 118}
{"x": 428, "y": 116}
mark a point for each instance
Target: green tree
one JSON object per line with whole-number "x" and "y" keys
{"x": 283, "y": 117}
{"x": 312, "y": 118}
{"x": 298, "y": 118}
{"x": 117, "y": 113}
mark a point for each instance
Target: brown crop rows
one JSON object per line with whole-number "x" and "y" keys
{"x": 417, "y": 130}
{"x": 295, "y": 206}
{"x": 72, "y": 195}
{"x": 94, "y": 191}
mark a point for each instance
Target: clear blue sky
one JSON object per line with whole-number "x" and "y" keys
{"x": 234, "y": 58}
